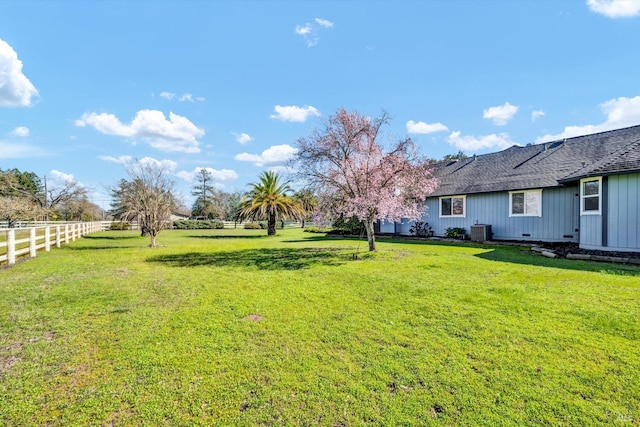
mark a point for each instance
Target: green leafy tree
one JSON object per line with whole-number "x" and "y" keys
{"x": 308, "y": 202}
{"x": 207, "y": 203}
{"x": 14, "y": 182}
{"x": 232, "y": 206}
{"x": 268, "y": 199}
{"x": 458, "y": 156}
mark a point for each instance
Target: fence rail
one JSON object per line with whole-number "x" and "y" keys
{"x": 19, "y": 242}
{"x": 27, "y": 238}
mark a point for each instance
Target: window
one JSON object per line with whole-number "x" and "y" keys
{"x": 525, "y": 203}
{"x": 453, "y": 206}
{"x": 590, "y": 196}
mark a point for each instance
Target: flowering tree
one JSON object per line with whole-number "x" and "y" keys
{"x": 354, "y": 174}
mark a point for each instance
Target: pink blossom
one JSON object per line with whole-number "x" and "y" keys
{"x": 355, "y": 175}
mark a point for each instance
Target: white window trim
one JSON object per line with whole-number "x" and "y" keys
{"x": 464, "y": 206}
{"x": 539, "y": 192}
{"x": 582, "y": 196}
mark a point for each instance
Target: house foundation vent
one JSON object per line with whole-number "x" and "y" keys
{"x": 480, "y": 232}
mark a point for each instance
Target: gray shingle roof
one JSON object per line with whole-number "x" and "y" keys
{"x": 544, "y": 165}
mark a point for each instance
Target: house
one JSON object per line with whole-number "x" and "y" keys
{"x": 178, "y": 216}
{"x": 584, "y": 189}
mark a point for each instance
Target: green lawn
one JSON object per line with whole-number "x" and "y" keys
{"x": 229, "y": 327}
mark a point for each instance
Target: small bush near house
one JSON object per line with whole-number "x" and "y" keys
{"x": 317, "y": 229}
{"x": 252, "y": 226}
{"x": 348, "y": 226}
{"x": 198, "y": 225}
{"x": 421, "y": 229}
{"x": 455, "y": 233}
{"x": 119, "y": 225}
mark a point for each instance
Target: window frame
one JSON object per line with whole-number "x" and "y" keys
{"x": 583, "y": 196}
{"x": 452, "y": 215}
{"x": 525, "y": 213}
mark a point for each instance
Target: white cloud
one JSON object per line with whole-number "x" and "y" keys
{"x": 621, "y": 112}
{"x": 20, "y": 131}
{"x": 15, "y": 88}
{"x": 535, "y": 115}
{"x": 309, "y": 31}
{"x": 304, "y": 29}
{"x": 186, "y": 97}
{"x": 182, "y": 98}
{"x": 61, "y": 177}
{"x": 325, "y": 23}
{"x": 218, "y": 175}
{"x": 500, "y": 115}
{"x": 425, "y": 128}
{"x": 122, "y": 160}
{"x": 472, "y": 143}
{"x": 150, "y": 126}
{"x": 242, "y": 138}
{"x": 615, "y": 8}
{"x": 168, "y": 165}
{"x": 291, "y": 113}
{"x": 18, "y": 151}
{"x": 128, "y": 161}
{"x": 271, "y": 156}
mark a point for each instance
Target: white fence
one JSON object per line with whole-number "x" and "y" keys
{"x": 17, "y": 242}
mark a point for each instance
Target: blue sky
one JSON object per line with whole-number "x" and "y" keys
{"x": 89, "y": 86}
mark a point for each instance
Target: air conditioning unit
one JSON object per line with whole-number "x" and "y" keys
{"x": 480, "y": 232}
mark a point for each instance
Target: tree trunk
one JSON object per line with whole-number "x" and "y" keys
{"x": 271, "y": 225}
{"x": 153, "y": 243}
{"x": 371, "y": 237}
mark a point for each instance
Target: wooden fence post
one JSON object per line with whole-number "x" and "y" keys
{"x": 11, "y": 246}
{"x": 58, "y": 237}
{"x": 66, "y": 234}
{"x": 32, "y": 242}
{"x": 47, "y": 239}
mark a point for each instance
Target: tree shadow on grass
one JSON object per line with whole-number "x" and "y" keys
{"x": 99, "y": 248}
{"x": 230, "y": 236}
{"x": 261, "y": 259}
{"x": 116, "y": 237}
{"x": 314, "y": 237}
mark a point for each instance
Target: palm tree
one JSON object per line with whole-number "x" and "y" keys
{"x": 268, "y": 199}
{"x": 308, "y": 201}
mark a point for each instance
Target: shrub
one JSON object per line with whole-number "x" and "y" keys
{"x": 252, "y": 226}
{"x": 350, "y": 226}
{"x": 421, "y": 229}
{"x": 197, "y": 224}
{"x": 317, "y": 229}
{"x": 119, "y": 225}
{"x": 455, "y": 233}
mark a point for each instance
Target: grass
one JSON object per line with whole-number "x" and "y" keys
{"x": 229, "y": 327}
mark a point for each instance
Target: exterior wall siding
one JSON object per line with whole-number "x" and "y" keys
{"x": 559, "y": 217}
{"x": 591, "y": 231}
{"x": 624, "y": 212}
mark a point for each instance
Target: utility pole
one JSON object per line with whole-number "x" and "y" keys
{"x": 46, "y": 203}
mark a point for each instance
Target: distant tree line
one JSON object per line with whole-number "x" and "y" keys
{"x": 26, "y": 197}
